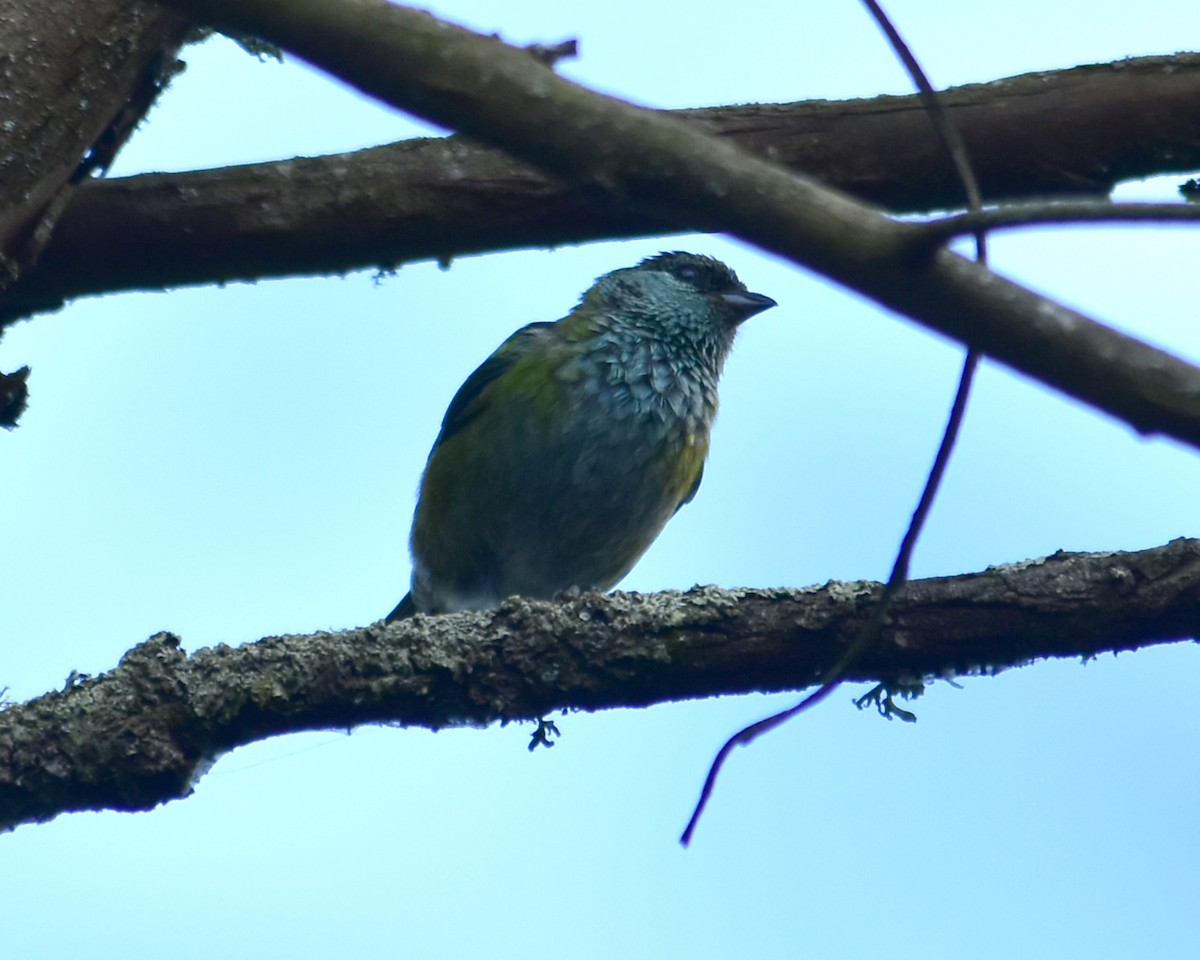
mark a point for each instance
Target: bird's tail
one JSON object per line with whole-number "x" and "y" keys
{"x": 405, "y": 608}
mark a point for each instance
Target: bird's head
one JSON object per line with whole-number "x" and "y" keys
{"x": 681, "y": 298}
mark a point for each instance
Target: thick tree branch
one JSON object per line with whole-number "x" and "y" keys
{"x": 484, "y": 88}
{"x": 78, "y": 76}
{"x": 143, "y": 733}
{"x": 435, "y": 198}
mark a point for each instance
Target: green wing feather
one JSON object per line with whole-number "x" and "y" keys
{"x": 464, "y": 407}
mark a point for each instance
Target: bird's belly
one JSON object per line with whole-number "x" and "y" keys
{"x": 558, "y": 513}
{"x": 588, "y": 516}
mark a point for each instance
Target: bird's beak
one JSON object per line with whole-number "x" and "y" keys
{"x": 746, "y": 304}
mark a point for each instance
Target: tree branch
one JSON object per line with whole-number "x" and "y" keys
{"x": 1060, "y": 213}
{"x": 79, "y": 75}
{"x": 435, "y": 198}
{"x": 144, "y": 732}
{"x": 484, "y": 88}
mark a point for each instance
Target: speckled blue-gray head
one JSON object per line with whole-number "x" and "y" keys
{"x": 690, "y": 304}
{"x": 564, "y": 454}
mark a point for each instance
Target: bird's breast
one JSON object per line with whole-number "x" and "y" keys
{"x": 641, "y": 382}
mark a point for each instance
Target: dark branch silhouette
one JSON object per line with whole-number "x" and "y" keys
{"x": 950, "y": 138}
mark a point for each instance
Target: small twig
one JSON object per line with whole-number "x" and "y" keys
{"x": 832, "y": 678}
{"x": 947, "y": 132}
{"x": 883, "y": 698}
{"x": 550, "y": 54}
{"x": 14, "y": 393}
{"x": 1058, "y": 212}
{"x": 541, "y": 737}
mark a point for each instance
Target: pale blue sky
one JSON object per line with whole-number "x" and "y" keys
{"x": 230, "y": 463}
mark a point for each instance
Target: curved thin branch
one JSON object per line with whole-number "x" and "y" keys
{"x": 952, "y": 143}
{"x": 143, "y": 733}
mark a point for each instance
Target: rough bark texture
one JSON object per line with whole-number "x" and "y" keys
{"x": 1065, "y": 132}
{"x": 1058, "y": 132}
{"x": 144, "y": 732}
{"x": 77, "y": 76}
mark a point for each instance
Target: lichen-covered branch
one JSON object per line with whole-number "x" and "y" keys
{"x": 142, "y": 733}
{"x": 434, "y": 198}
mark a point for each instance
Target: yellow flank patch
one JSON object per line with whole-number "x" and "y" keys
{"x": 688, "y": 465}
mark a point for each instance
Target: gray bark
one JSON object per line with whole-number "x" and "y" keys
{"x": 144, "y": 732}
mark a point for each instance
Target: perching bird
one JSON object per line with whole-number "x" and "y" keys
{"x": 563, "y": 456}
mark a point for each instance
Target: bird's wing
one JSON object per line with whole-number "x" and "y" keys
{"x": 464, "y": 408}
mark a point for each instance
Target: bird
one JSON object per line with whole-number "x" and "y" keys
{"x": 563, "y": 456}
